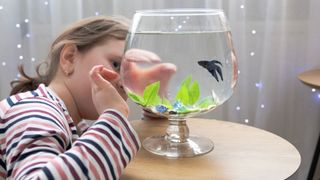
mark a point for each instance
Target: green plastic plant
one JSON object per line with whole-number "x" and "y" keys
{"x": 150, "y": 95}
{"x": 189, "y": 91}
{"x": 188, "y": 95}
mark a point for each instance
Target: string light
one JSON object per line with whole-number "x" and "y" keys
{"x": 1, "y": 7}
{"x": 46, "y": 3}
{"x": 313, "y": 90}
{"x": 19, "y": 46}
{"x": 33, "y": 59}
{"x": 26, "y": 20}
{"x": 252, "y": 53}
{"x": 259, "y": 85}
{"x": 246, "y": 121}
{"x": 27, "y": 35}
{"x": 17, "y": 25}
{"x": 241, "y": 6}
{"x": 96, "y": 13}
{"x": 262, "y": 106}
{"x": 238, "y": 108}
{"x": 4, "y": 63}
{"x": 20, "y": 57}
{"x": 253, "y": 31}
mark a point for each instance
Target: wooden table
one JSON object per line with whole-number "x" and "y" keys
{"x": 241, "y": 152}
{"x": 312, "y": 79}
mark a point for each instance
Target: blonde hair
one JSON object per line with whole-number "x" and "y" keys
{"x": 85, "y": 34}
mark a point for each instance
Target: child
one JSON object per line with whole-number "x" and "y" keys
{"x": 39, "y": 124}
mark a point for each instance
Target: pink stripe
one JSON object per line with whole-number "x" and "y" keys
{"x": 19, "y": 169}
{"x": 49, "y": 143}
{"x": 60, "y": 170}
{"x": 17, "y": 97}
{"x": 24, "y": 113}
{"x": 25, "y": 95}
{"x": 3, "y": 107}
{"x": 50, "y": 102}
{"x": 92, "y": 168}
{"x": 21, "y": 147}
{"x": 114, "y": 143}
{"x": 2, "y": 141}
{"x": 108, "y": 147}
{"x": 44, "y": 128}
{"x": 42, "y": 91}
{"x": 34, "y": 106}
{"x": 3, "y": 175}
{"x": 2, "y": 151}
{"x": 58, "y": 108}
{"x": 96, "y": 158}
{"x": 126, "y": 125}
{"x": 71, "y": 168}
{"x": 83, "y": 126}
{"x": 116, "y": 123}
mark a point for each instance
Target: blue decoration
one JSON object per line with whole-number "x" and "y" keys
{"x": 161, "y": 108}
{"x": 179, "y": 107}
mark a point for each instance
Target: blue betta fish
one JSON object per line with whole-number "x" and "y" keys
{"x": 213, "y": 67}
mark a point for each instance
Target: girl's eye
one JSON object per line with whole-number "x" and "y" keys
{"x": 116, "y": 65}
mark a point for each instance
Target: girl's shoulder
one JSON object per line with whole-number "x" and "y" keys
{"x": 28, "y": 99}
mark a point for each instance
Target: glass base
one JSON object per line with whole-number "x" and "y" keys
{"x": 193, "y": 146}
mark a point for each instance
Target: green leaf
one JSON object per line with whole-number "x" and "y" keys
{"x": 188, "y": 93}
{"x": 183, "y": 95}
{"x": 136, "y": 98}
{"x": 186, "y": 81}
{"x": 150, "y": 94}
{"x": 156, "y": 101}
{"x": 194, "y": 92}
{"x": 167, "y": 103}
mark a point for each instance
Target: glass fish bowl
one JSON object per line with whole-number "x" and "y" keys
{"x": 179, "y": 63}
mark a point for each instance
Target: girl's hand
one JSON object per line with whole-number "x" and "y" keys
{"x": 104, "y": 95}
{"x": 137, "y": 79}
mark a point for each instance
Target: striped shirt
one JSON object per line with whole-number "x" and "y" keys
{"x": 38, "y": 140}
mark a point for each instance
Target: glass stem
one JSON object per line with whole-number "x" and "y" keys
{"x": 178, "y": 131}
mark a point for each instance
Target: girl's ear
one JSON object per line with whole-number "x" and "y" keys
{"x": 68, "y": 58}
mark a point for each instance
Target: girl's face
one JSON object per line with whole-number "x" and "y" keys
{"x": 108, "y": 54}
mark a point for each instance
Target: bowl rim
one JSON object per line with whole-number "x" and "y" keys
{"x": 179, "y": 12}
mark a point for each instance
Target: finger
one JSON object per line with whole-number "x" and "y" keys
{"x": 161, "y": 70}
{"x": 96, "y": 80}
{"x": 101, "y": 76}
{"x": 138, "y": 55}
{"x": 125, "y": 66}
{"x": 109, "y": 75}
